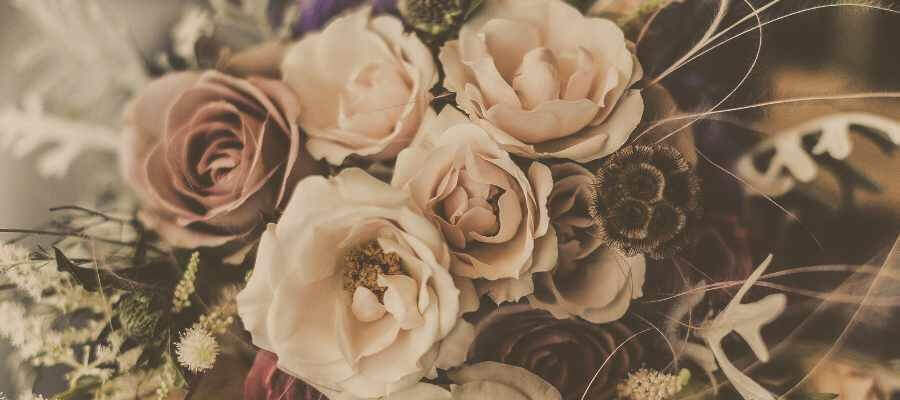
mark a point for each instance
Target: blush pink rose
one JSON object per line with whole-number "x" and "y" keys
{"x": 492, "y": 212}
{"x": 211, "y": 156}
{"x": 547, "y": 81}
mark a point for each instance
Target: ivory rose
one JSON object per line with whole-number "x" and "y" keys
{"x": 491, "y": 212}
{"x": 352, "y": 291}
{"x": 212, "y": 156}
{"x": 546, "y": 80}
{"x": 365, "y": 86}
{"x": 483, "y": 381}
{"x": 591, "y": 281}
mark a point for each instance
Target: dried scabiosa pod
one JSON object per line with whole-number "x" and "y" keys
{"x": 646, "y": 200}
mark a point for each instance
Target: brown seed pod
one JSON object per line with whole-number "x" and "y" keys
{"x": 646, "y": 200}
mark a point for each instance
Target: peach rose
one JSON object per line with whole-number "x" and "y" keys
{"x": 491, "y": 212}
{"x": 546, "y": 80}
{"x": 352, "y": 291}
{"x": 591, "y": 281}
{"x": 365, "y": 86}
{"x": 212, "y": 156}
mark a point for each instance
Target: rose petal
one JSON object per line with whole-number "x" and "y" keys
{"x": 536, "y": 80}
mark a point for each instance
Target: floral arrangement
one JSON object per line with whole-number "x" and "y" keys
{"x": 426, "y": 200}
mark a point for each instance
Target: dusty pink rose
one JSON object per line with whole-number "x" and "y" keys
{"x": 591, "y": 281}
{"x": 546, "y": 80}
{"x": 212, "y": 156}
{"x": 365, "y": 86}
{"x": 492, "y": 213}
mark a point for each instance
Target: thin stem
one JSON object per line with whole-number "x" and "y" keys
{"x": 88, "y": 211}
{"x": 78, "y": 235}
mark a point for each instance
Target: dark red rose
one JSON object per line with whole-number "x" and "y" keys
{"x": 565, "y": 352}
{"x": 266, "y": 382}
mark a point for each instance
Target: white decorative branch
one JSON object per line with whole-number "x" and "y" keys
{"x": 791, "y": 163}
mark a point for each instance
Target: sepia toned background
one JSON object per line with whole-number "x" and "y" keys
{"x": 828, "y": 52}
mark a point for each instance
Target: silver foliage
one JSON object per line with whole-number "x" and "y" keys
{"x": 78, "y": 72}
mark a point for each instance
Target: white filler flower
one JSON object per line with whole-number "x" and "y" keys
{"x": 197, "y": 350}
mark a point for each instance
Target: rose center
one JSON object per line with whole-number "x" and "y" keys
{"x": 363, "y": 264}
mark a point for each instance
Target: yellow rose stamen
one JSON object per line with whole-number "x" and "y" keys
{"x": 363, "y": 264}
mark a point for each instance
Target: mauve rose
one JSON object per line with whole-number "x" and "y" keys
{"x": 212, "y": 156}
{"x": 591, "y": 280}
{"x": 564, "y": 352}
{"x": 266, "y": 382}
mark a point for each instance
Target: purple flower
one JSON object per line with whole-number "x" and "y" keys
{"x": 315, "y": 14}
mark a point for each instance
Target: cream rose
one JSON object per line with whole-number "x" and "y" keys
{"x": 352, "y": 292}
{"x": 546, "y": 80}
{"x": 486, "y": 380}
{"x": 491, "y": 212}
{"x": 364, "y": 84}
{"x": 591, "y": 281}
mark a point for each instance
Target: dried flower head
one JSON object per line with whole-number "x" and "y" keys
{"x": 197, "y": 351}
{"x": 433, "y": 16}
{"x": 648, "y": 384}
{"x": 646, "y": 200}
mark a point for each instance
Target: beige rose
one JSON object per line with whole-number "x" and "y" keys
{"x": 352, "y": 291}
{"x": 365, "y": 86}
{"x": 591, "y": 281}
{"x": 546, "y": 80}
{"x": 212, "y": 156}
{"x": 485, "y": 381}
{"x": 491, "y": 212}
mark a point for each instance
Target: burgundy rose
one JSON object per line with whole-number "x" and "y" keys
{"x": 266, "y": 382}
{"x": 564, "y": 352}
{"x": 212, "y": 156}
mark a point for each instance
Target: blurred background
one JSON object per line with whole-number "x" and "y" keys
{"x": 835, "y": 50}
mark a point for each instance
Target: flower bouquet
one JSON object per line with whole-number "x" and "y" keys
{"x": 444, "y": 199}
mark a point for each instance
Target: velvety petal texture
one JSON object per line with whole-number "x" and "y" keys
{"x": 566, "y": 353}
{"x": 591, "y": 280}
{"x": 213, "y": 156}
{"x": 266, "y": 382}
{"x": 492, "y": 213}
{"x": 316, "y": 301}
{"x": 544, "y": 80}
{"x": 365, "y": 85}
